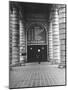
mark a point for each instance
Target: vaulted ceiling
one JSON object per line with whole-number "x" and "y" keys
{"x": 35, "y": 9}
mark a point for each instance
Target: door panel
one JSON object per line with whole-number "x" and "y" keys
{"x": 36, "y": 52}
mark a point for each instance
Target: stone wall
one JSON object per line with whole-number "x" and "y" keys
{"x": 57, "y": 34}
{"x": 14, "y": 36}
{"x": 17, "y": 39}
{"x": 62, "y": 32}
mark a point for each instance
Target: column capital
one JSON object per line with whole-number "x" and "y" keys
{"x": 13, "y": 6}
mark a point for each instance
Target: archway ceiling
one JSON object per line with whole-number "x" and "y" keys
{"x": 38, "y": 9}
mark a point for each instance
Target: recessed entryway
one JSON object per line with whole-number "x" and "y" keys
{"x": 36, "y": 53}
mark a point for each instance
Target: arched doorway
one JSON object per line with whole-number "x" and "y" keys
{"x": 36, "y": 43}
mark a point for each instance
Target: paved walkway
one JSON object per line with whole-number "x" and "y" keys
{"x": 34, "y": 74}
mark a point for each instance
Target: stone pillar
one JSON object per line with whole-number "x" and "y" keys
{"x": 62, "y": 29}
{"x": 54, "y": 43}
{"x": 14, "y": 36}
{"x": 56, "y": 40}
{"x": 50, "y": 37}
{"x": 10, "y": 36}
{"x": 22, "y": 41}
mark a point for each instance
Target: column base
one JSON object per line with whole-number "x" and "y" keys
{"x": 62, "y": 65}
{"x": 54, "y": 62}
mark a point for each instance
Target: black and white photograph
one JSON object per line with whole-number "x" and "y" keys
{"x": 37, "y": 44}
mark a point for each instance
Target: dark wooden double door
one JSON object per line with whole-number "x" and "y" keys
{"x": 36, "y": 53}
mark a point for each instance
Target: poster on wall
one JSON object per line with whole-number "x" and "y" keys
{"x": 37, "y": 54}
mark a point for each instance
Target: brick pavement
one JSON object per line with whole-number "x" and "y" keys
{"x": 34, "y": 74}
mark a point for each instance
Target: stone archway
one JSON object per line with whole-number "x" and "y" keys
{"x": 36, "y": 42}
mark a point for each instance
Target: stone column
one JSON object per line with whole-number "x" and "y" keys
{"x": 50, "y": 37}
{"x": 54, "y": 43}
{"x": 62, "y": 29}
{"x": 22, "y": 41}
{"x": 10, "y": 36}
{"x": 56, "y": 40}
{"x": 14, "y": 36}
